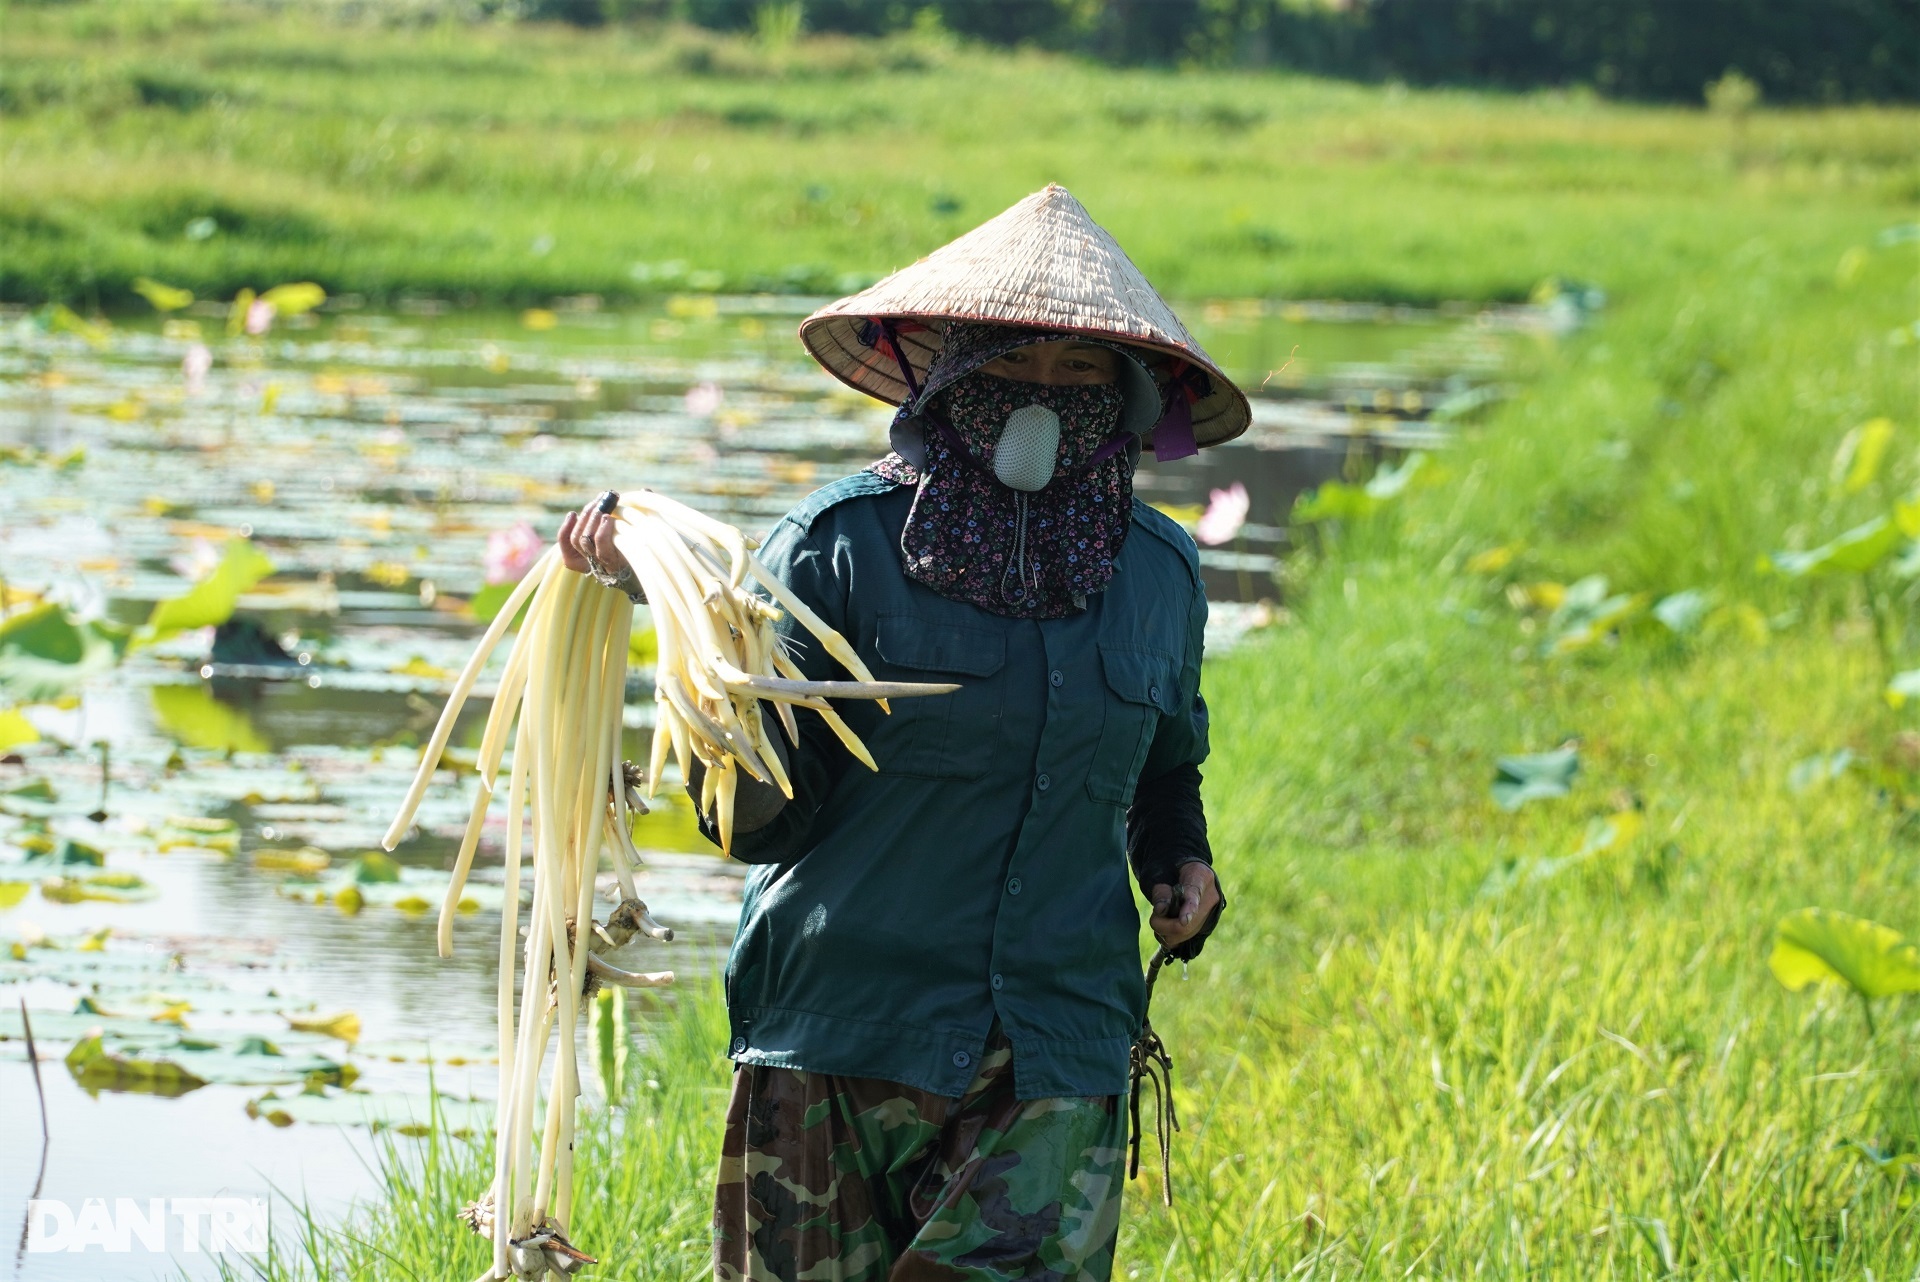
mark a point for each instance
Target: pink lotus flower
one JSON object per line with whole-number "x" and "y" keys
{"x": 194, "y": 366}
{"x": 512, "y": 552}
{"x": 259, "y": 317}
{"x": 704, "y": 399}
{"x": 196, "y": 561}
{"x": 1226, "y": 513}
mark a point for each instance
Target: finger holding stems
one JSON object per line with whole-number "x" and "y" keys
{"x": 1182, "y": 911}
{"x": 586, "y": 537}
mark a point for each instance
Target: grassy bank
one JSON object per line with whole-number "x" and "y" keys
{"x": 217, "y": 146}
{"x": 1469, "y": 1050}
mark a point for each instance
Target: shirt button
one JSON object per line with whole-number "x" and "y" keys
{"x": 1058, "y": 678}
{"x": 961, "y": 1059}
{"x": 998, "y": 983}
{"x": 1013, "y": 885}
{"x": 1153, "y": 693}
{"x": 1043, "y": 783}
{"x": 739, "y": 1046}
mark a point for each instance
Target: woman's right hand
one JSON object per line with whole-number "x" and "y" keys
{"x": 585, "y": 532}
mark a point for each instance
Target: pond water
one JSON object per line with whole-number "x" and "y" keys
{"x": 242, "y": 778}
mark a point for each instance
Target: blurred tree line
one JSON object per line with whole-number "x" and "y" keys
{"x": 1793, "y": 50}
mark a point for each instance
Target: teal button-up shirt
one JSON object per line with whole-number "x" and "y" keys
{"x": 981, "y": 873}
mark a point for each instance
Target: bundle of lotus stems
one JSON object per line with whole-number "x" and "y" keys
{"x": 560, "y": 698}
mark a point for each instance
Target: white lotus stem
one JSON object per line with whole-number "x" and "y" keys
{"x": 612, "y": 974}
{"x": 462, "y": 687}
{"x": 720, "y": 666}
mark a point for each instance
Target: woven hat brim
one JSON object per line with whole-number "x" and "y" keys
{"x": 1044, "y": 264}
{"x": 833, "y": 339}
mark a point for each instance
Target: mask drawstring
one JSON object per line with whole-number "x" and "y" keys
{"x": 1017, "y": 567}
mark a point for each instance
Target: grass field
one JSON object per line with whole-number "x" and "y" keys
{"x": 504, "y": 162}
{"x": 1434, "y": 1039}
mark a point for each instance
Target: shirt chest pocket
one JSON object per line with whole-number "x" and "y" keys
{"x": 1140, "y": 689}
{"x": 947, "y": 736}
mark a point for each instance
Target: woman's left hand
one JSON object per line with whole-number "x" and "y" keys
{"x": 1180, "y": 913}
{"x": 586, "y": 536}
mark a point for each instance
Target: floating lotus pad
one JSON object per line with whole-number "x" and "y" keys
{"x": 105, "y": 1060}
{"x": 409, "y": 1114}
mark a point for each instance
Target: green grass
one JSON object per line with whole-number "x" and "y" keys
{"x": 1404, "y": 1056}
{"x": 503, "y": 162}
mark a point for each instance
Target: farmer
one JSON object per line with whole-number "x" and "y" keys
{"x": 936, "y": 982}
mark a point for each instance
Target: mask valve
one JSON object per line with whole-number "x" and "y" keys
{"x": 1029, "y": 448}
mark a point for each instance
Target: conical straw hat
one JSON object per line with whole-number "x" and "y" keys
{"x": 1043, "y": 263}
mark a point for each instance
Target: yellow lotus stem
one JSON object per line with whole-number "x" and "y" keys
{"x": 462, "y": 687}
{"x": 721, "y": 666}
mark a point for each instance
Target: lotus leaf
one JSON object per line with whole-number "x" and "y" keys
{"x": 1586, "y": 613}
{"x": 44, "y": 653}
{"x": 345, "y": 1025}
{"x": 1392, "y": 481}
{"x": 1524, "y": 778}
{"x": 51, "y": 1026}
{"x": 1858, "y": 550}
{"x": 98, "y": 1069}
{"x": 212, "y": 600}
{"x": 486, "y": 603}
{"x": 1820, "y": 768}
{"x": 446, "y": 1054}
{"x": 194, "y": 718}
{"x": 202, "y": 824}
{"x": 295, "y": 299}
{"x": 105, "y": 1060}
{"x": 375, "y": 868}
{"x": 220, "y": 843}
{"x": 165, "y": 298}
{"x": 1901, "y": 687}
{"x": 1334, "y": 501}
{"x": 1683, "y": 612}
{"x": 15, "y": 729}
{"x": 1493, "y": 560}
{"x": 107, "y": 887}
{"x": 307, "y": 860}
{"x": 1857, "y": 462}
{"x": 1339, "y": 500}
{"x": 1821, "y": 945}
{"x": 69, "y": 853}
{"x": 406, "y": 1113}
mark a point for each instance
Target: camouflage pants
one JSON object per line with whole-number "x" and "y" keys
{"x": 850, "y": 1179}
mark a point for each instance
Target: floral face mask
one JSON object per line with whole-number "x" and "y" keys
{"x": 1026, "y": 495}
